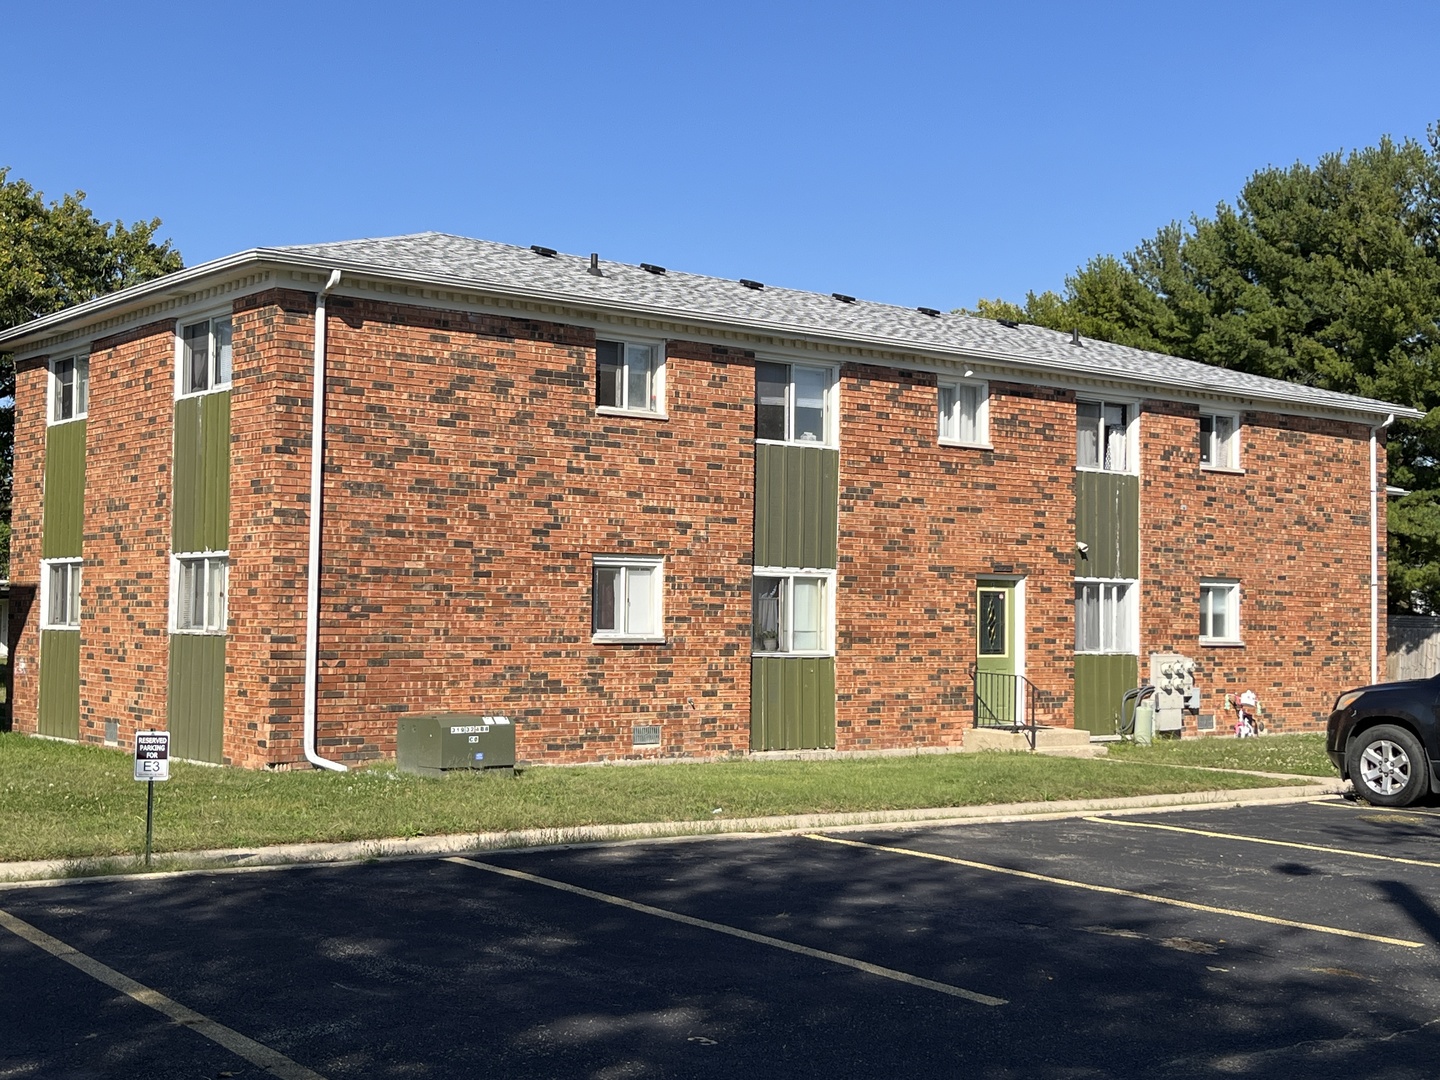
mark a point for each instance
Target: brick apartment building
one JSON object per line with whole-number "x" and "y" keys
{"x": 646, "y": 513}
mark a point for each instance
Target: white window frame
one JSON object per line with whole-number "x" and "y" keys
{"x": 788, "y": 575}
{"x": 212, "y": 623}
{"x": 950, "y": 425}
{"x": 1106, "y": 589}
{"x": 829, "y": 406}
{"x": 70, "y": 620}
{"x": 1209, "y": 588}
{"x": 625, "y": 564}
{"x": 80, "y": 394}
{"x": 1132, "y": 435}
{"x": 214, "y": 384}
{"x": 1224, "y": 454}
{"x": 657, "y": 377}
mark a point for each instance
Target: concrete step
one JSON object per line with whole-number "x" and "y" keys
{"x": 1053, "y": 742}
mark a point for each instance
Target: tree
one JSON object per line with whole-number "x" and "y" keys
{"x": 51, "y": 257}
{"x": 1327, "y": 275}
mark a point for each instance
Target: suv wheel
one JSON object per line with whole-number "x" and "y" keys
{"x": 1388, "y": 766}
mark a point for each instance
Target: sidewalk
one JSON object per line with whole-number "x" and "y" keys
{"x": 51, "y": 871}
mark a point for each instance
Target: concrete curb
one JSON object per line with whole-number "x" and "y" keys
{"x": 70, "y": 871}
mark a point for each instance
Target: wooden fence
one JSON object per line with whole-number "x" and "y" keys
{"x": 1413, "y": 647}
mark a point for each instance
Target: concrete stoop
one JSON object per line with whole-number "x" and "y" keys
{"x": 1053, "y": 742}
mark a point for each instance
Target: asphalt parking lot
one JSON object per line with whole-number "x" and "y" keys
{"x": 1274, "y": 941}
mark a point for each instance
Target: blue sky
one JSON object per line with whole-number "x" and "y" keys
{"x": 915, "y": 153}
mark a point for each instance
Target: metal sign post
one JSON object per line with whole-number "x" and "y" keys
{"x": 152, "y": 762}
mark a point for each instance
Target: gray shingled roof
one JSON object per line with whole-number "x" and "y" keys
{"x": 459, "y": 259}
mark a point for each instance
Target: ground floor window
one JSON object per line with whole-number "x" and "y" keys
{"x": 60, "y": 604}
{"x": 793, "y": 612}
{"x": 626, "y": 598}
{"x": 1220, "y": 611}
{"x": 1105, "y": 615}
{"x": 201, "y": 584}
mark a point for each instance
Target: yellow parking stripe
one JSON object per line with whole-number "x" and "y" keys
{"x": 258, "y": 1054}
{"x": 1346, "y": 804}
{"x": 732, "y": 931}
{"x": 1263, "y": 840}
{"x": 1112, "y": 891}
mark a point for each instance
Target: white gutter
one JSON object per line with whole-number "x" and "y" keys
{"x": 1375, "y": 550}
{"x": 317, "y": 491}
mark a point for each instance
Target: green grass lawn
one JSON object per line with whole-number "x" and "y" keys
{"x": 58, "y": 800}
{"x": 1298, "y": 755}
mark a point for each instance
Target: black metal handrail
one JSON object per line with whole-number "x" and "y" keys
{"x": 1005, "y": 701}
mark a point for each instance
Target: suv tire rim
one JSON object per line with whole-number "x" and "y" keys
{"x": 1385, "y": 767}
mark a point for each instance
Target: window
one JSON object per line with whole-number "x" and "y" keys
{"x": 793, "y": 403}
{"x": 792, "y": 612}
{"x": 1219, "y": 441}
{"x": 205, "y": 355}
{"x": 628, "y": 376}
{"x": 1105, "y": 616}
{"x": 627, "y": 599}
{"x": 69, "y": 388}
{"x": 963, "y": 409}
{"x": 1220, "y": 611}
{"x": 60, "y": 581}
{"x": 201, "y": 583}
{"x": 1102, "y": 435}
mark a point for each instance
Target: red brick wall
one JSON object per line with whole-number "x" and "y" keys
{"x": 124, "y": 638}
{"x": 1294, "y": 529}
{"x": 26, "y": 521}
{"x": 269, "y": 522}
{"x": 919, "y": 522}
{"x": 469, "y": 481}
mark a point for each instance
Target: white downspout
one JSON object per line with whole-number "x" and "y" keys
{"x": 317, "y": 490}
{"x": 1375, "y": 550}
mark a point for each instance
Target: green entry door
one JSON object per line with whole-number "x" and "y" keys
{"x": 997, "y": 642}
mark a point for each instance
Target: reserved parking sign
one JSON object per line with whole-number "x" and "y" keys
{"x": 152, "y": 755}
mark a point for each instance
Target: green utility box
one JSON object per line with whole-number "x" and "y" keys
{"x": 430, "y": 745}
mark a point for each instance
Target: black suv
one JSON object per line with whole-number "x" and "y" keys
{"x": 1386, "y": 739}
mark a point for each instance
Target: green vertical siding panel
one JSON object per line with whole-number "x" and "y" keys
{"x": 1100, "y": 683}
{"x": 797, "y": 499}
{"x": 60, "y": 683}
{"x": 197, "y": 696}
{"x": 1107, "y": 521}
{"x": 202, "y": 473}
{"x": 64, "y": 520}
{"x": 792, "y": 703}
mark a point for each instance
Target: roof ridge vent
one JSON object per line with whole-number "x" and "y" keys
{"x": 594, "y": 270}
{"x": 549, "y": 253}
{"x": 651, "y": 268}
{"x": 751, "y": 284}
{"x": 843, "y": 298}
{"x": 934, "y": 313}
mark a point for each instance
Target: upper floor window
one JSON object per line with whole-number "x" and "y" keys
{"x": 1105, "y": 616}
{"x": 60, "y": 602}
{"x": 1220, "y": 612}
{"x": 626, "y": 598}
{"x": 205, "y": 355}
{"x": 793, "y": 403}
{"x": 1219, "y": 440}
{"x": 69, "y": 388}
{"x": 963, "y": 413}
{"x": 792, "y": 611}
{"x": 1103, "y": 438}
{"x": 201, "y": 587}
{"x": 629, "y": 376}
